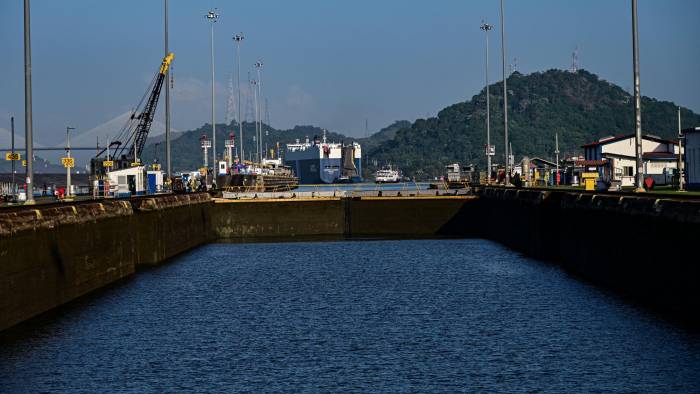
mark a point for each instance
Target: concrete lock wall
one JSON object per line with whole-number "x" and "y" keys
{"x": 52, "y": 255}
{"x": 640, "y": 246}
{"x": 240, "y": 219}
{"x": 341, "y": 217}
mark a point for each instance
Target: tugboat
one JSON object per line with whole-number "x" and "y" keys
{"x": 458, "y": 177}
{"x": 387, "y": 175}
{"x": 268, "y": 176}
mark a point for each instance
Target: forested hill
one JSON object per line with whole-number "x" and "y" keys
{"x": 579, "y": 106}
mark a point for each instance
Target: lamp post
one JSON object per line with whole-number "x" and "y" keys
{"x": 29, "y": 141}
{"x": 639, "y": 183}
{"x": 12, "y": 127}
{"x": 238, "y": 38}
{"x": 68, "y": 129}
{"x": 212, "y": 17}
{"x": 681, "y": 180}
{"x": 486, "y": 27}
{"x": 254, "y": 84}
{"x": 505, "y": 96}
{"x": 168, "y": 166}
{"x": 258, "y": 67}
{"x": 556, "y": 152}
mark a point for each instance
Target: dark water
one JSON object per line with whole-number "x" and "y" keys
{"x": 428, "y": 315}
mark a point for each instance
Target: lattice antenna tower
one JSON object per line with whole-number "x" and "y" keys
{"x": 574, "y": 60}
{"x": 231, "y": 103}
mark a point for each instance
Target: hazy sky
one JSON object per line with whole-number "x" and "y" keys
{"x": 327, "y": 63}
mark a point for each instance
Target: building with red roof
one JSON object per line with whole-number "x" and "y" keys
{"x": 659, "y": 156}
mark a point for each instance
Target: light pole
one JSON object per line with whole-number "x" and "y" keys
{"x": 238, "y": 38}
{"x": 486, "y": 27}
{"x": 212, "y": 16}
{"x": 258, "y": 67}
{"x": 556, "y": 152}
{"x": 681, "y": 180}
{"x": 68, "y": 167}
{"x": 12, "y": 127}
{"x": 29, "y": 141}
{"x": 505, "y": 96}
{"x": 168, "y": 166}
{"x": 637, "y": 102}
{"x": 254, "y": 84}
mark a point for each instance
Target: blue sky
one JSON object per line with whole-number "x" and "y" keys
{"x": 327, "y": 63}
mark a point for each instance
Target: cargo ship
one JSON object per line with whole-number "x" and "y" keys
{"x": 320, "y": 161}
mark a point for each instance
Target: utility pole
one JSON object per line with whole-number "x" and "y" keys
{"x": 556, "y": 152}
{"x": 238, "y": 38}
{"x": 681, "y": 180}
{"x": 12, "y": 127}
{"x": 168, "y": 165}
{"x": 505, "y": 96}
{"x": 486, "y": 27}
{"x": 29, "y": 141}
{"x": 68, "y": 129}
{"x": 212, "y": 16}
{"x": 637, "y": 103}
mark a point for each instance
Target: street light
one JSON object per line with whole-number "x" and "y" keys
{"x": 29, "y": 140}
{"x": 258, "y": 66}
{"x": 637, "y": 102}
{"x": 212, "y": 17}
{"x": 254, "y": 84}
{"x": 505, "y": 96}
{"x": 67, "y": 164}
{"x": 238, "y": 38}
{"x": 168, "y": 166}
{"x": 486, "y": 27}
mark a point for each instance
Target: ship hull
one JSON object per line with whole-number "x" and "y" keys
{"x": 256, "y": 183}
{"x": 317, "y": 171}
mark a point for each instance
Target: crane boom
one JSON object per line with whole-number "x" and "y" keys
{"x": 149, "y": 111}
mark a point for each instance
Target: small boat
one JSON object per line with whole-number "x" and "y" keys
{"x": 387, "y": 174}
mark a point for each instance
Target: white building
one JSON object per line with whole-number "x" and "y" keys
{"x": 128, "y": 181}
{"x": 659, "y": 156}
{"x": 691, "y": 148}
